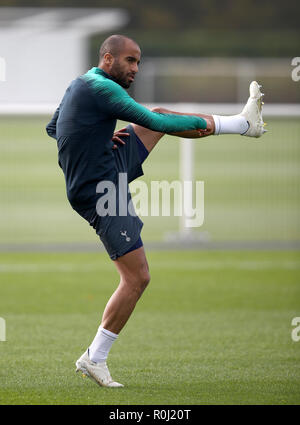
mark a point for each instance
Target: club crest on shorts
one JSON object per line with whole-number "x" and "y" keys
{"x": 124, "y": 233}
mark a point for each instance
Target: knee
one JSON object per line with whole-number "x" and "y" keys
{"x": 142, "y": 280}
{"x": 145, "y": 279}
{"x": 138, "y": 283}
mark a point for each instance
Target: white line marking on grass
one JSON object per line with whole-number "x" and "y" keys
{"x": 48, "y": 268}
{"x": 222, "y": 265}
{"x": 185, "y": 265}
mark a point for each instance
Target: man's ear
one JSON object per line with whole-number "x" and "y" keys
{"x": 108, "y": 59}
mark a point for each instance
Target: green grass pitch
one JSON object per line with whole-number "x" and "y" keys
{"x": 211, "y": 328}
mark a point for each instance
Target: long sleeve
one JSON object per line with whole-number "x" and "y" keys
{"x": 115, "y": 101}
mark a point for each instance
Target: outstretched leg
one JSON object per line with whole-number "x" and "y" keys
{"x": 248, "y": 123}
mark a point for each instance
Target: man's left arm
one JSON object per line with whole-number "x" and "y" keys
{"x": 116, "y": 102}
{"x": 51, "y": 126}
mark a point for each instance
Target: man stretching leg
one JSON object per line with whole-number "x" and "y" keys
{"x": 90, "y": 154}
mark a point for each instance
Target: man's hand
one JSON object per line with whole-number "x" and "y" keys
{"x": 204, "y": 132}
{"x": 117, "y": 137}
{"x": 210, "y": 129}
{"x": 196, "y": 134}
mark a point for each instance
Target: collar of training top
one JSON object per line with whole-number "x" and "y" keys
{"x": 100, "y": 71}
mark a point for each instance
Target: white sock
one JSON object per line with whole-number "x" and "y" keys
{"x": 99, "y": 348}
{"x": 234, "y": 124}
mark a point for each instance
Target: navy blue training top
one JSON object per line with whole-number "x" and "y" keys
{"x": 83, "y": 126}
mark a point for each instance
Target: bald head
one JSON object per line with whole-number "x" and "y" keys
{"x": 114, "y": 45}
{"x": 120, "y": 57}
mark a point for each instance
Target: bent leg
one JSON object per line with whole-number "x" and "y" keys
{"x": 134, "y": 278}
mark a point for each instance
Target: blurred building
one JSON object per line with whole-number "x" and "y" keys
{"x": 43, "y": 49}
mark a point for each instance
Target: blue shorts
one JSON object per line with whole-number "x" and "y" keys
{"x": 120, "y": 234}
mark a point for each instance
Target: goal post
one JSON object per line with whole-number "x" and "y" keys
{"x": 186, "y": 173}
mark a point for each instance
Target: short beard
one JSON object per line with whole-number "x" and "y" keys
{"x": 116, "y": 73}
{"x": 123, "y": 84}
